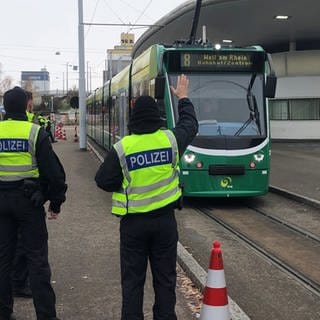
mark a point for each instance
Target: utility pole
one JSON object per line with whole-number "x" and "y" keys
{"x": 82, "y": 81}
{"x": 67, "y": 76}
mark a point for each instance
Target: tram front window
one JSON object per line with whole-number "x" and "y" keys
{"x": 226, "y": 104}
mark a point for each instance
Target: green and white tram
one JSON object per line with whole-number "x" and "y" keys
{"x": 229, "y": 87}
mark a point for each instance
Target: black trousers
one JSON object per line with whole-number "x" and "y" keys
{"x": 17, "y": 212}
{"x": 20, "y": 274}
{"x": 150, "y": 237}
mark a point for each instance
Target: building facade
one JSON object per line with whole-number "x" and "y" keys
{"x": 36, "y": 81}
{"x": 120, "y": 56}
{"x": 295, "y": 111}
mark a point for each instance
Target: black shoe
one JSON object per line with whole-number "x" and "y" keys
{"x": 22, "y": 293}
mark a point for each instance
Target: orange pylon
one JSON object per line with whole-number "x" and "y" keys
{"x": 215, "y": 299}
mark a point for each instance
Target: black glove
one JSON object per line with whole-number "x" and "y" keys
{"x": 37, "y": 199}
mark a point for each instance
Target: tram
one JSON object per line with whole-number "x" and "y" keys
{"x": 229, "y": 87}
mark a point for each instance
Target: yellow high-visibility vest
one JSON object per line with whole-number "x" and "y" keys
{"x": 30, "y": 116}
{"x": 150, "y": 168}
{"x": 41, "y": 120}
{"x": 18, "y": 150}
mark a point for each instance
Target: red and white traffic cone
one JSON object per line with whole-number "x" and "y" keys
{"x": 215, "y": 299}
{"x": 58, "y": 133}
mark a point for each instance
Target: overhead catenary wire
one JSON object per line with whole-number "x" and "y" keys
{"x": 92, "y": 17}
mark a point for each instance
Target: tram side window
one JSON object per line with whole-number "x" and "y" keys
{"x": 294, "y": 109}
{"x": 123, "y": 114}
{"x": 114, "y": 125}
{"x": 146, "y": 87}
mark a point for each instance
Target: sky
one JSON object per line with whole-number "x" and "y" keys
{"x": 34, "y": 31}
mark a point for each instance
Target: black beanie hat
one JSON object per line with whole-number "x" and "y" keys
{"x": 15, "y": 100}
{"x": 145, "y": 116}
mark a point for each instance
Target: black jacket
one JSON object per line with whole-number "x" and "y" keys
{"x": 109, "y": 176}
{"x": 52, "y": 176}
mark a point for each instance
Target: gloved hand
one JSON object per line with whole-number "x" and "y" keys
{"x": 37, "y": 199}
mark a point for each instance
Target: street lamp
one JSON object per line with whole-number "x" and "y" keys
{"x": 58, "y": 53}
{"x": 74, "y": 68}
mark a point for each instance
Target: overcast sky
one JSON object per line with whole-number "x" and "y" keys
{"x": 32, "y": 31}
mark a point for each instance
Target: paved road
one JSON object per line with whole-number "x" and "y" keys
{"x": 296, "y": 167}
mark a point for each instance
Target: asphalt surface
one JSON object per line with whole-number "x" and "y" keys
{"x": 84, "y": 242}
{"x": 295, "y": 167}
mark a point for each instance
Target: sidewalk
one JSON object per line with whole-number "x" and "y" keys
{"x": 84, "y": 248}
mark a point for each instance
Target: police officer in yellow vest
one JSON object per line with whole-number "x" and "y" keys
{"x": 20, "y": 277}
{"x": 30, "y": 174}
{"x": 142, "y": 172}
{"x": 42, "y": 120}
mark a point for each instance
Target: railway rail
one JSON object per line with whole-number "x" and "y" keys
{"x": 293, "y": 249}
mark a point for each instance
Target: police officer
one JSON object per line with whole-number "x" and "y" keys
{"x": 48, "y": 125}
{"x": 142, "y": 172}
{"x": 42, "y": 120}
{"x": 30, "y": 174}
{"x": 20, "y": 279}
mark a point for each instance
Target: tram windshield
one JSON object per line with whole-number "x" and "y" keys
{"x": 226, "y": 104}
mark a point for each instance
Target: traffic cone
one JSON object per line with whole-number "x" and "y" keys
{"x": 58, "y": 133}
{"x": 215, "y": 299}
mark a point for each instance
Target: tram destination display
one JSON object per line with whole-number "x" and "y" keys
{"x": 221, "y": 61}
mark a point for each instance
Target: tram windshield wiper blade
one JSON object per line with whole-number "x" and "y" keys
{"x": 253, "y": 108}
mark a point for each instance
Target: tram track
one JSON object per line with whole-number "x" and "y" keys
{"x": 287, "y": 224}
{"x": 281, "y": 257}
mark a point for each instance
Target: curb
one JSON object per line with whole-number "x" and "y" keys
{"x": 295, "y": 196}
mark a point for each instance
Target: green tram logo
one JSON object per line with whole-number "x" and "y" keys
{"x": 226, "y": 183}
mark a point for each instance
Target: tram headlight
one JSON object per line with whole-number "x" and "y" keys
{"x": 258, "y": 157}
{"x": 189, "y": 157}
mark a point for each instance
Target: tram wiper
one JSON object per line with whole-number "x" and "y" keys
{"x": 253, "y": 107}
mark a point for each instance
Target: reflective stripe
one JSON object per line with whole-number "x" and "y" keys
{"x": 32, "y": 144}
{"x": 216, "y": 279}
{"x": 139, "y": 203}
{"x": 118, "y": 204}
{"x": 153, "y": 186}
{"x": 215, "y": 313}
{"x": 122, "y": 159}
{"x": 174, "y": 146}
{"x": 143, "y": 202}
{"x": 18, "y": 177}
{"x": 137, "y": 190}
{"x": 15, "y": 168}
